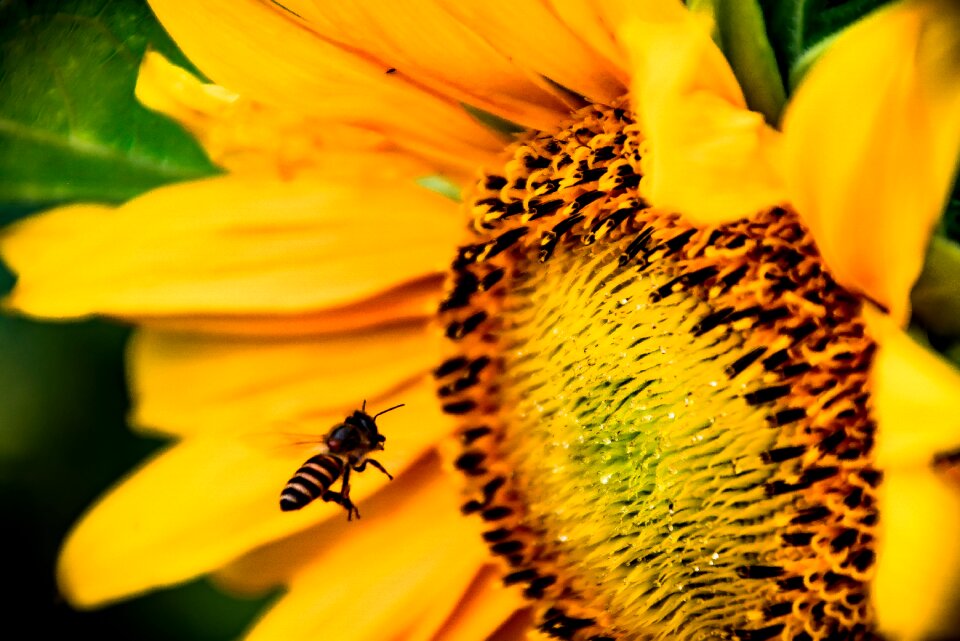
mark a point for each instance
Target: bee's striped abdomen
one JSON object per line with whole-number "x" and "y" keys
{"x": 311, "y": 481}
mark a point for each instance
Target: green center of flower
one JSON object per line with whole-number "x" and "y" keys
{"x": 665, "y": 427}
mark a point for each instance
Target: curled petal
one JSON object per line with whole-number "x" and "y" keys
{"x": 872, "y": 138}
{"x": 708, "y": 155}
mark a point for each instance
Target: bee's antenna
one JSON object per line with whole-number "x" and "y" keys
{"x": 388, "y": 410}
{"x": 364, "y": 407}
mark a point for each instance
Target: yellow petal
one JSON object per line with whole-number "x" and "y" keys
{"x": 244, "y": 136}
{"x": 872, "y": 138}
{"x": 414, "y": 301}
{"x": 278, "y": 562}
{"x": 208, "y": 500}
{"x": 424, "y": 42}
{"x": 312, "y": 75}
{"x": 916, "y": 398}
{"x": 191, "y": 509}
{"x": 387, "y": 572}
{"x": 918, "y": 560}
{"x": 531, "y": 34}
{"x": 189, "y": 384}
{"x": 482, "y": 609}
{"x": 394, "y": 594}
{"x": 231, "y": 245}
{"x": 163, "y": 86}
{"x": 708, "y": 157}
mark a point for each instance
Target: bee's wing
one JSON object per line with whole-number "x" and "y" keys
{"x": 288, "y": 442}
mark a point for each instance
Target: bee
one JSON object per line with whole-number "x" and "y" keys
{"x": 348, "y": 445}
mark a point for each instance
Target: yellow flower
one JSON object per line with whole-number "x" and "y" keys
{"x": 277, "y": 298}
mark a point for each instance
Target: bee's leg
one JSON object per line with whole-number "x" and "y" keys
{"x": 343, "y": 502}
{"x": 345, "y": 484}
{"x": 345, "y": 493}
{"x": 377, "y": 465}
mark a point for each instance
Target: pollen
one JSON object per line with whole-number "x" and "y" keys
{"x": 665, "y": 429}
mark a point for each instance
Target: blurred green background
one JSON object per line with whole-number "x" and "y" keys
{"x": 63, "y": 441}
{"x": 71, "y": 129}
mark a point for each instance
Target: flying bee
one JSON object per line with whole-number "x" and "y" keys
{"x": 348, "y": 446}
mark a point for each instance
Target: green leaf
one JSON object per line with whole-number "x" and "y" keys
{"x": 741, "y": 34}
{"x": 952, "y": 353}
{"x": 936, "y": 295}
{"x": 441, "y": 185}
{"x": 800, "y": 29}
{"x": 70, "y": 126}
{"x": 950, "y": 223}
{"x": 502, "y": 126}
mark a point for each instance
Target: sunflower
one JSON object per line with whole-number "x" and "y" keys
{"x": 668, "y": 351}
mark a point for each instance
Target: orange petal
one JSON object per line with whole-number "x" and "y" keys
{"x": 190, "y": 384}
{"x": 446, "y": 601}
{"x": 529, "y": 33}
{"x": 595, "y": 23}
{"x": 424, "y": 42}
{"x": 314, "y": 76}
{"x": 208, "y": 500}
{"x": 230, "y": 245}
{"x": 388, "y": 576}
{"x": 482, "y": 609}
{"x": 414, "y": 301}
{"x": 872, "y": 138}
{"x": 709, "y": 157}
{"x": 389, "y": 596}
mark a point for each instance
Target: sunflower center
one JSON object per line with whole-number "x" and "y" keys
{"x": 665, "y": 427}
